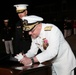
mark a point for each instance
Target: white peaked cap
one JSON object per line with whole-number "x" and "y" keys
{"x": 31, "y": 21}
{"x": 21, "y": 6}
{"x": 32, "y": 18}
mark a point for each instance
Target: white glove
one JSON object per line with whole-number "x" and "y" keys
{"x": 3, "y": 40}
{"x": 19, "y": 56}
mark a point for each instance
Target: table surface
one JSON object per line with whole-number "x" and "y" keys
{"x": 18, "y": 68}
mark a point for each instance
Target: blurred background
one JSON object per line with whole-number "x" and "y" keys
{"x": 48, "y": 9}
{"x": 53, "y": 11}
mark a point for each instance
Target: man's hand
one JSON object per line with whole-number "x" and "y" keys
{"x": 12, "y": 38}
{"x": 22, "y": 58}
{"x": 26, "y": 61}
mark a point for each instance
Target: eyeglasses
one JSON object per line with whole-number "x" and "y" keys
{"x": 33, "y": 29}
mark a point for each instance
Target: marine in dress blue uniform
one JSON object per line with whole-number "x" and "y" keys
{"x": 22, "y": 39}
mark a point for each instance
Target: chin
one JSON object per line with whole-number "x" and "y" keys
{"x": 34, "y": 37}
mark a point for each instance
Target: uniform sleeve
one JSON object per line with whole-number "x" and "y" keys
{"x": 53, "y": 48}
{"x": 33, "y": 50}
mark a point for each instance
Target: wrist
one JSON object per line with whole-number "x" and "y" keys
{"x": 32, "y": 61}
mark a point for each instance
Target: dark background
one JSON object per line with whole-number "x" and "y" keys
{"x": 48, "y": 9}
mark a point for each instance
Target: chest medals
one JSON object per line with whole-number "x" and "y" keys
{"x": 45, "y": 43}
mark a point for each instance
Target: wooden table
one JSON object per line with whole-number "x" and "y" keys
{"x": 15, "y": 68}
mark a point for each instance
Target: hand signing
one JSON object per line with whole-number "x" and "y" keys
{"x": 26, "y": 61}
{"x": 23, "y": 59}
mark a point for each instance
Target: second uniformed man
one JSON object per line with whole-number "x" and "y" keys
{"x": 22, "y": 39}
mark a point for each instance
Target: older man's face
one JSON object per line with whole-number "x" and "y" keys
{"x": 35, "y": 32}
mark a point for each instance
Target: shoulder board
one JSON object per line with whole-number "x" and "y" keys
{"x": 48, "y": 28}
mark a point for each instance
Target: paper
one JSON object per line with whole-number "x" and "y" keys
{"x": 19, "y": 68}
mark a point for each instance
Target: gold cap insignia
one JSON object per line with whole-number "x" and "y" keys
{"x": 28, "y": 27}
{"x": 20, "y": 11}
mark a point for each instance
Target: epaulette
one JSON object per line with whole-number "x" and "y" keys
{"x": 48, "y": 28}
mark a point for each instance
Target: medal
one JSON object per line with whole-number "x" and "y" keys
{"x": 45, "y": 43}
